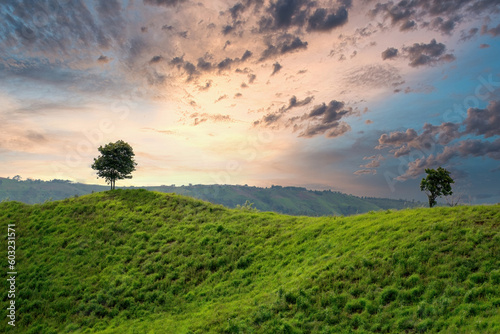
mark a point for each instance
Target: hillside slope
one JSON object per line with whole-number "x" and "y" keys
{"x": 287, "y": 200}
{"x": 134, "y": 261}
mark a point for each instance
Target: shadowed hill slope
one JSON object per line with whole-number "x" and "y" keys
{"x": 134, "y": 261}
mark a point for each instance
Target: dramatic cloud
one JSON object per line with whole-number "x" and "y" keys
{"x": 326, "y": 119}
{"x": 285, "y": 14}
{"x": 286, "y": 44}
{"x": 66, "y": 65}
{"x": 322, "y": 21}
{"x": 479, "y": 122}
{"x": 246, "y": 55}
{"x": 276, "y": 68}
{"x": 274, "y": 117}
{"x": 466, "y": 148}
{"x": 484, "y": 122}
{"x": 427, "y": 54}
{"x": 438, "y": 15}
{"x": 389, "y": 53}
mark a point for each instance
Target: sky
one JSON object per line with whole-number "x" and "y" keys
{"x": 354, "y": 96}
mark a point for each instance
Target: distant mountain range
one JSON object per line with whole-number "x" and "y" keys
{"x": 287, "y": 200}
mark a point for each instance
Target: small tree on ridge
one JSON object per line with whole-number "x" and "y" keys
{"x": 116, "y": 162}
{"x": 437, "y": 183}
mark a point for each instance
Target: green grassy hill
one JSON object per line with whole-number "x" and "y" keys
{"x": 134, "y": 261}
{"x": 287, "y": 200}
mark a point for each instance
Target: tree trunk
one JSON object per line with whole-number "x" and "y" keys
{"x": 431, "y": 201}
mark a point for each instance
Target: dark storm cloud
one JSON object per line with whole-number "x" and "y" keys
{"x": 390, "y": 53}
{"x": 439, "y": 15}
{"x": 397, "y": 138}
{"x": 204, "y": 65}
{"x": 236, "y": 10}
{"x": 464, "y": 149}
{"x": 432, "y": 135}
{"x": 273, "y": 117}
{"x": 397, "y": 13}
{"x": 332, "y": 130}
{"x": 296, "y": 44}
{"x": 484, "y": 122}
{"x": 326, "y": 119}
{"x": 177, "y": 61}
{"x": 228, "y": 29}
{"x": 408, "y": 25}
{"x": 190, "y": 70}
{"x": 322, "y": 21}
{"x": 285, "y": 14}
{"x": 293, "y": 103}
{"x": 276, "y": 68}
{"x": 444, "y": 26}
{"x": 166, "y": 3}
{"x": 479, "y": 122}
{"x": 246, "y": 55}
{"x": 225, "y": 64}
{"x": 287, "y": 44}
{"x": 421, "y": 54}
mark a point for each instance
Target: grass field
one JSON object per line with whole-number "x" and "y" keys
{"x": 134, "y": 261}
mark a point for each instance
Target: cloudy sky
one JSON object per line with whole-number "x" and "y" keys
{"x": 356, "y": 96}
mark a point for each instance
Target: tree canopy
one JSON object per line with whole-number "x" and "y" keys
{"x": 116, "y": 162}
{"x": 437, "y": 183}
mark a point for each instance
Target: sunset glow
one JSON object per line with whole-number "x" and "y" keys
{"x": 354, "y": 96}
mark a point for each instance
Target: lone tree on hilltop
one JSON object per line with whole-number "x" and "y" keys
{"x": 116, "y": 162}
{"x": 437, "y": 183}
